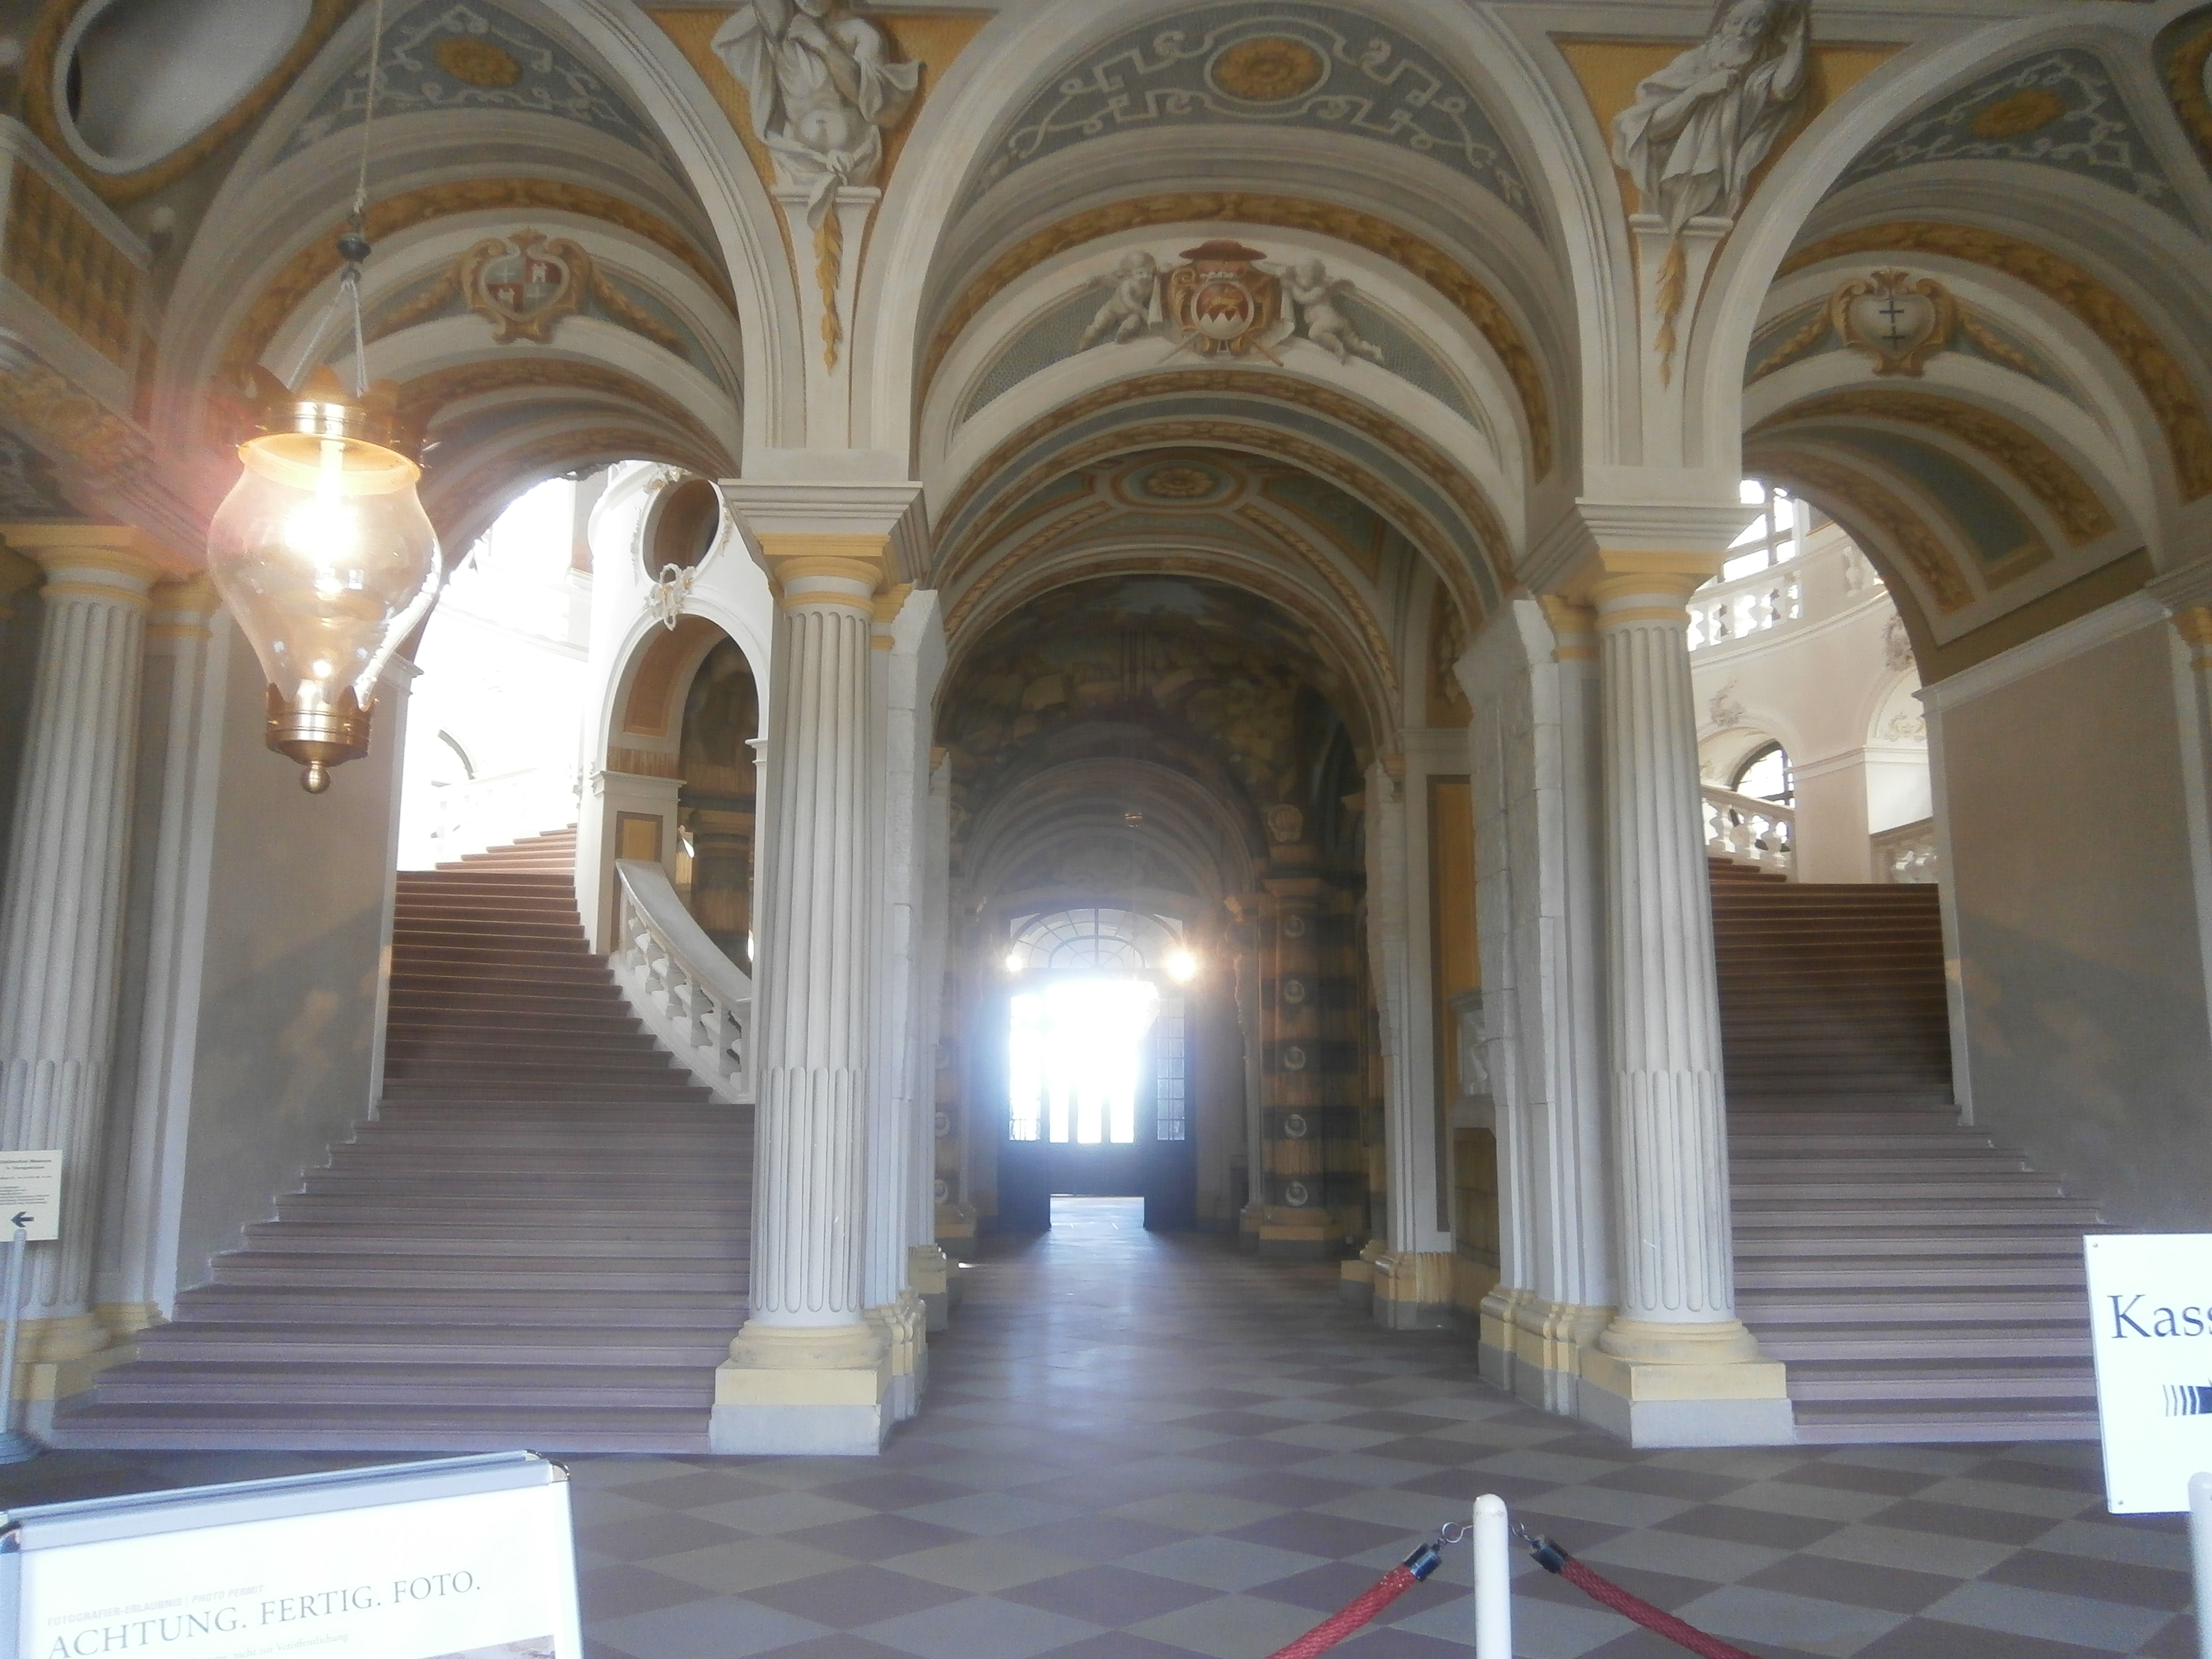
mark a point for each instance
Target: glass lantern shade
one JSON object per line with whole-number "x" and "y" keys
{"x": 323, "y": 554}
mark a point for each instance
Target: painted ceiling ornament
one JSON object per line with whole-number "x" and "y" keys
{"x": 525, "y": 283}
{"x": 1699, "y": 128}
{"x": 822, "y": 90}
{"x": 1130, "y": 300}
{"x": 1897, "y": 321}
{"x": 1222, "y": 303}
{"x": 1316, "y": 293}
{"x": 666, "y": 600}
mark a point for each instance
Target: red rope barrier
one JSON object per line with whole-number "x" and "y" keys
{"x": 1364, "y": 1607}
{"x": 1550, "y": 1557}
{"x": 1652, "y": 1619}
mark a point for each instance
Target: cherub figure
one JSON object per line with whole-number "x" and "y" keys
{"x": 1127, "y": 311}
{"x": 1315, "y": 292}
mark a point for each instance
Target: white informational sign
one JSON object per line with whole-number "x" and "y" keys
{"x": 2150, "y": 1329}
{"x": 417, "y": 1562}
{"x": 30, "y": 1194}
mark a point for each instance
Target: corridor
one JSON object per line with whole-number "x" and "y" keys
{"x": 1152, "y": 1447}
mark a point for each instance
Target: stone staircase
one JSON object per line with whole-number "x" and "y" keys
{"x": 539, "y": 1241}
{"x": 1922, "y": 1284}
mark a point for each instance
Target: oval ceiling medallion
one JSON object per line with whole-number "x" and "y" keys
{"x": 2019, "y": 115}
{"x": 1267, "y": 68}
{"x": 137, "y": 81}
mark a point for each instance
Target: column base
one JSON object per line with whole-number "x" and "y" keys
{"x": 1287, "y": 1235}
{"x": 930, "y": 1271}
{"x": 904, "y": 1326}
{"x": 1413, "y": 1291}
{"x": 1355, "y": 1285}
{"x": 955, "y": 1223}
{"x": 802, "y": 1390}
{"x": 59, "y": 1357}
{"x": 1248, "y": 1226}
{"x": 1534, "y": 1349}
{"x": 1657, "y": 1385}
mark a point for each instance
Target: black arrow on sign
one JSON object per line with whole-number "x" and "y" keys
{"x": 22, "y": 1219}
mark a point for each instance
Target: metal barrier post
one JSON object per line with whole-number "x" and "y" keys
{"x": 1493, "y": 1580}
{"x": 16, "y": 1447}
{"x": 2200, "y": 1552}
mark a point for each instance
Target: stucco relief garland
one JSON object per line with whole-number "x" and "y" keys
{"x": 1378, "y": 236}
{"x": 1270, "y": 441}
{"x": 1438, "y": 468}
{"x": 2167, "y": 388}
{"x": 1896, "y": 521}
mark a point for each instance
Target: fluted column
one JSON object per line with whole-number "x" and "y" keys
{"x": 810, "y": 1373}
{"x": 1683, "y": 1371}
{"x": 61, "y": 920}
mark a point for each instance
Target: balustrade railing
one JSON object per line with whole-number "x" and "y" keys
{"x": 1747, "y": 605}
{"x": 1905, "y": 856}
{"x": 692, "y": 997}
{"x": 1745, "y": 830}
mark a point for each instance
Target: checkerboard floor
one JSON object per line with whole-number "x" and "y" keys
{"x": 1140, "y": 1447}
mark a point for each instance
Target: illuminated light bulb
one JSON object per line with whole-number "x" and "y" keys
{"x": 1182, "y": 966}
{"x": 1013, "y": 961}
{"x": 323, "y": 554}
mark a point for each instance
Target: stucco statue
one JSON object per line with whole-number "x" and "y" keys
{"x": 1127, "y": 311}
{"x": 1701, "y": 126}
{"x": 1315, "y": 292}
{"x": 823, "y": 89}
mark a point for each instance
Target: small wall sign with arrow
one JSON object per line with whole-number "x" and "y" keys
{"x": 30, "y": 1195}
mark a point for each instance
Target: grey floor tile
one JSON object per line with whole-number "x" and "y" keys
{"x": 1914, "y": 1552}
{"x": 1834, "y": 1629}
{"x": 2109, "y": 1627}
{"x": 983, "y": 1566}
{"x": 979, "y": 1628}
{"x": 723, "y": 1628}
{"x": 1222, "y": 1564}
{"x": 1654, "y": 1550}
{"x": 1228, "y": 1627}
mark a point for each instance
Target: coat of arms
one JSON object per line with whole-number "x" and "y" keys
{"x": 525, "y": 283}
{"x": 1222, "y": 301}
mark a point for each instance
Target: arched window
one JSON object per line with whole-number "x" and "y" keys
{"x": 1775, "y": 537}
{"x": 1765, "y": 776}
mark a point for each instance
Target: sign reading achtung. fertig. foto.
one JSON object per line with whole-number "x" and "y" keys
{"x": 2150, "y": 1330}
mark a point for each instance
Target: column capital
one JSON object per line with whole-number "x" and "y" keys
{"x": 114, "y": 561}
{"x": 884, "y": 520}
{"x": 815, "y": 568}
{"x": 184, "y": 606}
{"x": 1639, "y": 525}
{"x": 1626, "y": 585}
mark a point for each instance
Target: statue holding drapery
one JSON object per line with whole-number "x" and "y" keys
{"x": 823, "y": 89}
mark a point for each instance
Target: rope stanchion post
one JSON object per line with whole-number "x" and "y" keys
{"x": 2200, "y": 1555}
{"x": 1493, "y": 1580}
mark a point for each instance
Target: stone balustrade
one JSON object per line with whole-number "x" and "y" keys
{"x": 1745, "y": 830}
{"x": 692, "y": 997}
{"x": 1905, "y": 856}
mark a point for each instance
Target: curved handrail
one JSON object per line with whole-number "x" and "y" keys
{"x": 692, "y": 997}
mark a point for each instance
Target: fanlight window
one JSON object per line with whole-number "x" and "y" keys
{"x": 1090, "y": 941}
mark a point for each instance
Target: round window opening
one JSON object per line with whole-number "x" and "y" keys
{"x": 138, "y": 80}
{"x": 685, "y": 525}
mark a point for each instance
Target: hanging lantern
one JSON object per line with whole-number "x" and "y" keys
{"x": 323, "y": 555}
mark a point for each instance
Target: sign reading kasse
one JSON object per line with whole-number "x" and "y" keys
{"x": 2150, "y": 1330}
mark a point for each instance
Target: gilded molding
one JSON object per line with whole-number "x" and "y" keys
{"x": 1410, "y": 520}
{"x": 1887, "y": 512}
{"x": 2033, "y": 463}
{"x": 68, "y": 265}
{"x": 52, "y": 408}
{"x": 1417, "y": 451}
{"x": 1356, "y": 607}
{"x": 1378, "y": 236}
{"x": 119, "y": 188}
{"x": 2185, "y": 67}
{"x": 318, "y": 261}
{"x": 2172, "y": 399}
{"x": 422, "y": 399}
